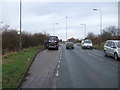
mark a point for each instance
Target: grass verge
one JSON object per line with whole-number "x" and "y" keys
{"x": 98, "y": 47}
{"x": 15, "y": 65}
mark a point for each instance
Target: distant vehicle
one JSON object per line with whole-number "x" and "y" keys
{"x": 112, "y": 48}
{"x": 53, "y": 42}
{"x": 69, "y": 45}
{"x": 86, "y": 44}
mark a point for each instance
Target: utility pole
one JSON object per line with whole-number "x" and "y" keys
{"x": 66, "y": 28}
{"x": 53, "y": 27}
{"x": 20, "y": 43}
{"x": 100, "y": 18}
{"x": 85, "y": 30}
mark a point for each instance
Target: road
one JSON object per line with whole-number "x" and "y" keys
{"x": 75, "y": 68}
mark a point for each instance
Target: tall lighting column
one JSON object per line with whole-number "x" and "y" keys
{"x": 66, "y": 28}
{"x": 53, "y": 27}
{"x": 20, "y": 43}
{"x": 100, "y": 18}
{"x": 85, "y": 30}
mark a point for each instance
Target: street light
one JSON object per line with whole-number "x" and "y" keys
{"x": 53, "y": 27}
{"x": 95, "y": 9}
{"x": 66, "y": 27}
{"x": 85, "y": 30}
{"x": 20, "y": 25}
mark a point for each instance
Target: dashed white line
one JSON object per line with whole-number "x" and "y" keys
{"x": 59, "y": 61}
{"x": 95, "y": 56}
{"x": 57, "y": 73}
{"x": 60, "y": 55}
{"x": 58, "y": 66}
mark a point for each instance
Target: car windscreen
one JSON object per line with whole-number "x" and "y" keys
{"x": 88, "y": 41}
{"x": 70, "y": 43}
{"x": 53, "y": 38}
{"x": 118, "y": 44}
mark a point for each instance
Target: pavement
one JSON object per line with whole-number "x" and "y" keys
{"x": 41, "y": 71}
{"x": 75, "y": 68}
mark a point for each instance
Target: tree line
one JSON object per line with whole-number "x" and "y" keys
{"x": 11, "y": 40}
{"x": 109, "y": 33}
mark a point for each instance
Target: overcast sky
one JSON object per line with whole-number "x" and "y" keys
{"x": 40, "y": 16}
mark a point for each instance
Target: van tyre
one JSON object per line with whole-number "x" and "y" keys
{"x": 115, "y": 56}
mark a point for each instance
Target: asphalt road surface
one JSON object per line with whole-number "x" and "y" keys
{"x": 73, "y": 68}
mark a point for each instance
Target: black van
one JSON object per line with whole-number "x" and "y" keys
{"x": 53, "y": 42}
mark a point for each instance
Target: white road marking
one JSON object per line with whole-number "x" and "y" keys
{"x": 95, "y": 56}
{"x": 60, "y": 55}
{"x": 57, "y": 73}
{"x": 59, "y": 61}
{"x": 58, "y": 66}
{"x": 103, "y": 60}
{"x": 97, "y": 53}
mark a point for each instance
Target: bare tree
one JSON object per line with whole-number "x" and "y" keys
{"x": 3, "y": 27}
{"x": 91, "y": 35}
{"x": 111, "y": 32}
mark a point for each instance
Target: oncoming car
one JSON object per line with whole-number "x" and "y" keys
{"x": 69, "y": 45}
{"x": 112, "y": 48}
{"x": 86, "y": 44}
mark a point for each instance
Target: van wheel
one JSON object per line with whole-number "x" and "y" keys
{"x": 115, "y": 56}
{"x": 105, "y": 53}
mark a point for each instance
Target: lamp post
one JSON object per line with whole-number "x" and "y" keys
{"x": 66, "y": 28}
{"x": 95, "y": 9}
{"x": 53, "y": 27}
{"x": 20, "y": 43}
{"x": 85, "y": 30}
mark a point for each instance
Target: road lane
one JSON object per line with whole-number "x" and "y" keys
{"x": 100, "y": 56}
{"x": 84, "y": 69}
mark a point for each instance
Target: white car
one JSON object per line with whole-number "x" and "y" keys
{"x": 86, "y": 44}
{"x": 112, "y": 48}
